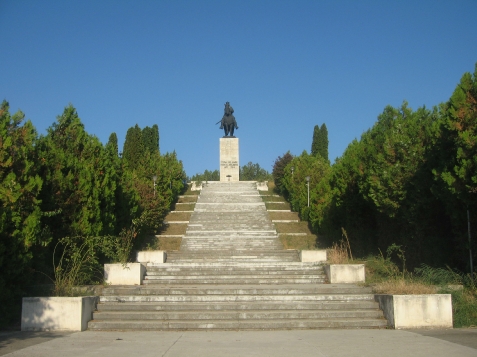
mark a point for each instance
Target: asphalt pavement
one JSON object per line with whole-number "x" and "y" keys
{"x": 321, "y": 343}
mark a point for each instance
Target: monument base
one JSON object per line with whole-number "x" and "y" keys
{"x": 229, "y": 159}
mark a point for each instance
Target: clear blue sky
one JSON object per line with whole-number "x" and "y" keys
{"x": 285, "y": 66}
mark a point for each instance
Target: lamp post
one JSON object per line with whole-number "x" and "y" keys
{"x": 154, "y": 178}
{"x": 308, "y": 184}
{"x": 470, "y": 245}
{"x": 293, "y": 169}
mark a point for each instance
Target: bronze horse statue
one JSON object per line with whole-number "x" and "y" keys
{"x": 228, "y": 122}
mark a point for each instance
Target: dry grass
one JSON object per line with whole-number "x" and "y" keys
{"x": 168, "y": 243}
{"x": 338, "y": 253}
{"x": 403, "y": 287}
{"x": 277, "y": 206}
{"x": 187, "y": 199}
{"x": 283, "y": 215}
{"x": 298, "y": 242}
{"x": 178, "y": 216}
{"x": 187, "y": 207}
{"x": 174, "y": 229}
{"x": 294, "y": 227}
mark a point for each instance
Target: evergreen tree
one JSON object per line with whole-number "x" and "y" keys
{"x": 296, "y": 185}
{"x": 133, "y": 150}
{"x": 323, "y": 147}
{"x": 150, "y": 138}
{"x": 315, "y": 145}
{"x": 278, "y": 172}
{"x": 20, "y": 215}
{"x": 207, "y": 176}
{"x": 78, "y": 183}
{"x": 253, "y": 172}
{"x": 113, "y": 143}
{"x": 319, "y": 145}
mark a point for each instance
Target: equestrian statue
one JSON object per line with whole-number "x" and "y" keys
{"x": 228, "y": 122}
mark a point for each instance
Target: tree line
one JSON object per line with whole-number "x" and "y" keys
{"x": 68, "y": 185}
{"x": 409, "y": 180}
{"x": 248, "y": 172}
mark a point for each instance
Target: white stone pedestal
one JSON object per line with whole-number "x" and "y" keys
{"x": 57, "y": 313}
{"x": 229, "y": 159}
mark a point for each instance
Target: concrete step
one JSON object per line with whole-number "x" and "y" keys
{"x": 235, "y": 280}
{"x": 236, "y": 272}
{"x": 238, "y": 248}
{"x": 244, "y": 259}
{"x": 292, "y": 265}
{"x": 232, "y": 273}
{"x": 214, "y": 298}
{"x": 234, "y": 306}
{"x": 234, "y": 253}
{"x": 236, "y": 315}
{"x": 321, "y": 291}
{"x": 285, "y": 324}
{"x": 245, "y": 275}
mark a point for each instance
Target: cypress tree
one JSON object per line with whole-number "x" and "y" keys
{"x": 316, "y": 141}
{"x": 319, "y": 145}
{"x": 133, "y": 149}
{"x": 113, "y": 142}
{"x": 150, "y": 139}
{"x": 323, "y": 143}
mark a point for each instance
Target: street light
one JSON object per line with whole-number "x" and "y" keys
{"x": 308, "y": 184}
{"x": 154, "y": 178}
{"x": 293, "y": 169}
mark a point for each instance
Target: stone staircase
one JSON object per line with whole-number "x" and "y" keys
{"x": 232, "y": 273}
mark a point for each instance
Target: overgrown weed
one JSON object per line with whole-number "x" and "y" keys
{"x": 464, "y": 306}
{"x": 338, "y": 253}
{"x": 77, "y": 265}
{"x": 400, "y": 286}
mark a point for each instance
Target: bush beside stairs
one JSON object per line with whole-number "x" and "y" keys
{"x": 232, "y": 273}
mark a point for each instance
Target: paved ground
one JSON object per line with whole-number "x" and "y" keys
{"x": 321, "y": 343}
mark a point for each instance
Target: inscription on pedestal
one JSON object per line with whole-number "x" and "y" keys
{"x": 229, "y": 159}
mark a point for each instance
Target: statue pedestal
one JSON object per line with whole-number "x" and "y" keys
{"x": 229, "y": 159}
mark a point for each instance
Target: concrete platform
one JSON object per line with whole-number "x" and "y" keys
{"x": 321, "y": 343}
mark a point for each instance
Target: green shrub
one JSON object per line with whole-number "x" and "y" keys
{"x": 438, "y": 276}
{"x": 379, "y": 268}
{"x": 464, "y": 306}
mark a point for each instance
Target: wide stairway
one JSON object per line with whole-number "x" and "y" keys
{"x": 232, "y": 273}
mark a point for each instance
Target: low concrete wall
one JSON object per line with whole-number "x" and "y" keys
{"x": 262, "y": 186}
{"x": 151, "y": 256}
{"x": 345, "y": 273}
{"x": 57, "y": 313}
{"x": 195, "y": 186}
{"x": 124, "y": 274}
{"x": 313, "y": 255}
{"x": 417, "y": 311}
